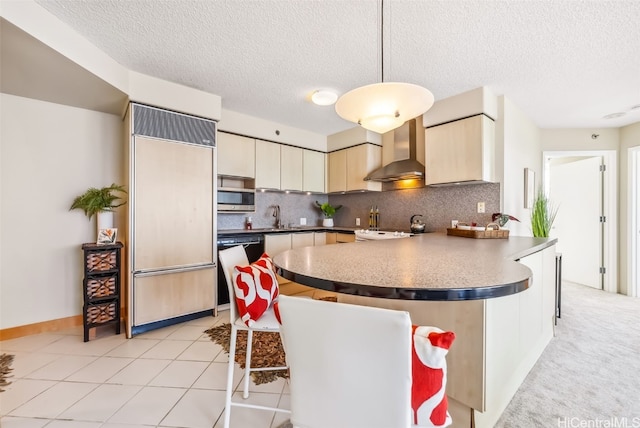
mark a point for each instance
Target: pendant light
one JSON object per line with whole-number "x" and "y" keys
{"x": 384, "y": 106}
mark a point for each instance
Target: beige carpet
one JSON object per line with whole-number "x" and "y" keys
{"x": 5, "y": 370}
{"x": 267, "y": 351}
{"x": 590, "y": 371}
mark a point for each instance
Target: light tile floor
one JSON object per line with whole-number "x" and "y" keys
{"x": 170, "y": 377}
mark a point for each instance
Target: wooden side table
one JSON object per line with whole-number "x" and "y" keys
{"x": 101, "y": 286}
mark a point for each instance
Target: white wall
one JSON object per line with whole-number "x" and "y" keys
{"x": 49, "y": 153}
{"x": 255, "y": 127}
{"x": 518, "y": 146}
{"x": 629, "y": 137}
{"x": 580, "y": 139}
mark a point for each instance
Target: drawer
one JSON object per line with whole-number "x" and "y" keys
{"x": 101, "y": 261}
{"x": 99, "y": 313}
{"x": 101, "y": 287}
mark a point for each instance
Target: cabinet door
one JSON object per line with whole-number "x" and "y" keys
{"x": 460, "y": 151}
{"x": 338, "y": 171}
{"x": 320, "y": 238}
{"x": 236, "y": 155}
{"x": 277, "y": 243}
{"x": 302, "y": 240}
{"x": 290, "y": 168}
{"x": 267, "y": 165}
{"x": 313, "y": 171}
{"x": 345, "y": 237}
{"x": 362, "y": 160}
{"x": 332, "y": 238}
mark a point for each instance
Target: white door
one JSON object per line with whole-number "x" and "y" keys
{"x": 634, "y": 221}
{"x": 575, "y": 186}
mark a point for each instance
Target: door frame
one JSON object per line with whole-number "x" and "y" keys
{"x": 610, "y": 208}
{"x": 633, "y": 288}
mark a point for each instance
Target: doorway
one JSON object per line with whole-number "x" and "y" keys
{"x": 634, "y": 222}
{"x": 583, "y": 185}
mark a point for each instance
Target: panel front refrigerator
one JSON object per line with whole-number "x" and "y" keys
{"x": 172, "y": 229}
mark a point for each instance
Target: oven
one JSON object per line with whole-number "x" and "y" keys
{"x": 253, "y": 245}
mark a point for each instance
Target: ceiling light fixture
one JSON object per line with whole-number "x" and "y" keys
{"x": 324, "y": 98}
{"x": 384, "y": 106}
{"x": 614, "y": 115}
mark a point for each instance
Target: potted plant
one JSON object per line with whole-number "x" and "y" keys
{"x": 100, "y": 202}
{"x": 328, "y": 211}
{"x": 543, "y": 215}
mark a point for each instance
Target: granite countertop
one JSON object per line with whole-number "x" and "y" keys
{"x": 433, "y": 266}
{"x": 287, "y": 230}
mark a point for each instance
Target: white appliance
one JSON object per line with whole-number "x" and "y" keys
{"x": 377, "y": 235}
{"x": 172, "y": 210}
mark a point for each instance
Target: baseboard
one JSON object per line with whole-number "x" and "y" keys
{"x": 40, "y": 327}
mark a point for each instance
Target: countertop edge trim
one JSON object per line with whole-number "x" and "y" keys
{"x": 424, "y": 294}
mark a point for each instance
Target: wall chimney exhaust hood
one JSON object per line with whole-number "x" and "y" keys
{"x": 405, "y": 165}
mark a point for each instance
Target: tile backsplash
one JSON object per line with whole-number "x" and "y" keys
{"x": 293, "y": 207}
{"x": 437, "y": 205}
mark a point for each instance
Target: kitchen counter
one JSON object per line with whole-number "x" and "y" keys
{"x": 496, "y": 295}
{"x": 288, "y": 230}
{"x": 424, "y": 267}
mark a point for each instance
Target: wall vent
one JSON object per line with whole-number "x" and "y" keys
{"x": 154, "y": 122}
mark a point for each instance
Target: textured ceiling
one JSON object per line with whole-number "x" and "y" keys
{"x": 566, "y": 64}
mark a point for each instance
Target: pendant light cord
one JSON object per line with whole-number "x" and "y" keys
{"x": 382, "y": 39}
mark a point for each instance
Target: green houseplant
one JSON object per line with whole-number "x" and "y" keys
{"x": 94, "y": 201}
{"x": 543, "y": 215}
{"x": 328, "y": 211}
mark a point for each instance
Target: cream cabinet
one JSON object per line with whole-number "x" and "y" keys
{"x": 459, "y": 151}
{"x": 299, "y": 240}
{"x": 277, "y": 243}
{"x": 319, "y": 238}
{"x": 267, "y": 165}
{"x": 313, "y": 171}
{"x": 348, "y": 168}
{"x": 236, "y": 155}
{"x": 361, "y": 161}
{"x": 290, "y": 168}
{"x": 337, "y": 171}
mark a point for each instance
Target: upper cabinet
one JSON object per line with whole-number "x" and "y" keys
{"x": 348, "y": 167}
{"x": 236, "y": 155}
{"x": 459, "y": 151}
{"x": 267, "y": 165}
{"x": 313, "y": 171}
{"x": 290, "y": 168}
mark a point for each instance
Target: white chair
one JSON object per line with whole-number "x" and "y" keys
{"x": 350, "y": 366}
{"x": 228, "y": 259}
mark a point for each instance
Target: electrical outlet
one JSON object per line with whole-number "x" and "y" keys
{"x": 480, "y": 207}
{"x": 357, "y": 221}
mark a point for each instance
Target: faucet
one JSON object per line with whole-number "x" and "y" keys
{"x": 276, "y": 214}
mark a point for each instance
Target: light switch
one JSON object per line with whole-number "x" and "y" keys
{"x": 480, "y": 207}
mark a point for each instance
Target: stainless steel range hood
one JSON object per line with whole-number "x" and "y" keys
{"x": 405, "y": 164}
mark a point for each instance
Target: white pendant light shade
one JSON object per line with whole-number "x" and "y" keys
{"x": 382, "y": 107}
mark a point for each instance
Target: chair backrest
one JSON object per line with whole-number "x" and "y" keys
{"x": 228, "y": 259}
{"x": 350, "y": 366}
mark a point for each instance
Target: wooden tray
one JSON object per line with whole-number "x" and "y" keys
{"x": 479, "y": 234}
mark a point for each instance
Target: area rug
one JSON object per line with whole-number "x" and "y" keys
{"x": 5, "y": 369}
{"x": 267, "y": 351}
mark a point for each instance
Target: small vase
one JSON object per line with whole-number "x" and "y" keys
{"x": 104, "y": 220}
{"x": 327, "y": 222}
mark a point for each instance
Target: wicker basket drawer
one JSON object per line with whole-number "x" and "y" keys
{"x": 100, "y": 287}
{"x": 99, "y": 313}
{"x": 102, "y": 261}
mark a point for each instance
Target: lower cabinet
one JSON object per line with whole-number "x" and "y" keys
{"x": 340, "y": 238}
{"x": 299, "y": 240}
{"x": 159, "y": 297}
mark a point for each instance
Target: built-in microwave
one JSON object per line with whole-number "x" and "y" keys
{"x": 231, "y": 199}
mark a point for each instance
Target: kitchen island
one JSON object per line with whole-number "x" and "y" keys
{"x": 497, "y": 295}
